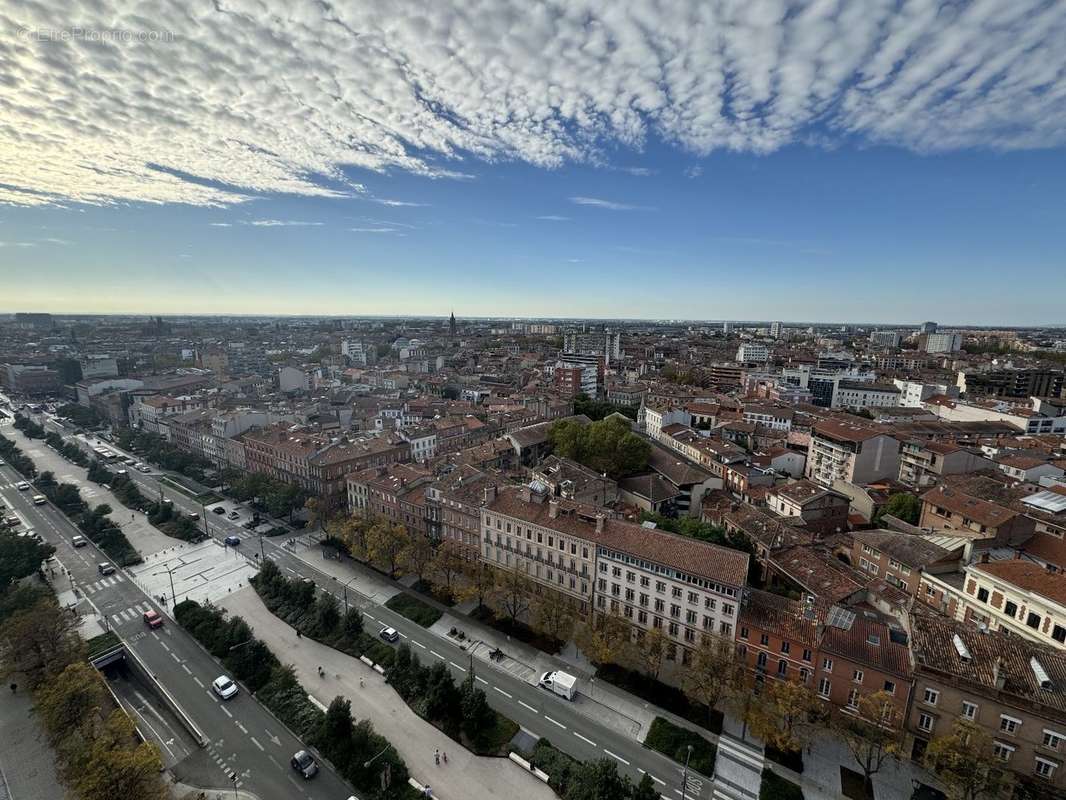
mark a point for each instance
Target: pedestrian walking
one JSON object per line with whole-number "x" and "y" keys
{"x": 436, "y": 757}
{"x": 427, "y": 791}
{"x": 444, "y": 755}
{"x": 298, "y": 634}
{"x": 14, "y": 688}
{"x": 361, "y": 683}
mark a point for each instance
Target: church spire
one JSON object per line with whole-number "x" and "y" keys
{"x": 451, "y": 324}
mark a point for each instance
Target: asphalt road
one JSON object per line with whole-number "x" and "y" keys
{"x": 537, "y": 711}
{"x": 244, "y": 740}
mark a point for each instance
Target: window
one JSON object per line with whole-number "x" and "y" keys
{"x": 709, "y": 603}
{"x": 969, "y": 710}
{"x": 1058, "y": 633}
{"x": 824, "y": 687}
{"x": 645, "y": 581}
{"x": 853, "y": 698}
{"x": 1010, "y": 608}
{"x": 930, "y": 697}
{"x": 660, "y": 586}
{"x": 1044, "y": 768}
{"x": 693, "y": 597}
{"x": 827, "y": 664}
{"x": 856, "y": 676}
{"x": 782, "y": 668}
{"x": 925, "y": 722}
{"x": 725, "y": 628}
{"x": 643, "y": 599}
{"x": 673, "y": 629}
{"x": 690, "y": 617}
{"x": 675, "y": 611}
{"x": 785, "y": 647}
{"x": 1033, "y": 620}
{"x": 1053, "y": 739}
{"x": 727, "y": 609}
{"x": 630, "y": 576}
{"x": 982, "y": 594}
{"x": 743, "y": 633}
{"x": 642, "y": 617}
{"x": 764, "y": 639}
{"x": 675, "y": 591}
{"x": 890, "y": 687}
{"x": 1002, "y": 751}
{"x": 760, "y": 661}
{"x": 1009, "y": 724}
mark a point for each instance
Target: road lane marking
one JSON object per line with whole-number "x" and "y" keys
{"x": 404, "y": 635}
{"x": 184, "y": 667}
{"x": 244, "y": 730}
{"x": 585, "y": 739}
{"x": 612, "y": 755}
{"x": 435, "y": 653}
{"x": 419, "y": 644}
{"x": 198, "y": 682}
{"x": 175, "y": 657}
{"x": 226, "y": 712}
{"x": 461, "y": 669}
{"x": 501, "y": 691}
{"x": 164, "y": 645}
{"x": 553, "y": 722}
{"x": 527, "y": 705}
{"x": 479, "y": 679}
{"x": 256, "y": 743}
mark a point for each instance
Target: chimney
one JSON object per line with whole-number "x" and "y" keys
{"x": 553, "y": 509}
{"x": 984, "y": 558}
{"x": 490, "y": 494}
{"x": 1000, "y": 680}
{"x": 600, "y": 520}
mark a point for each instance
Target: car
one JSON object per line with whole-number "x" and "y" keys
{"x": 390, "y": 634}
{"x": 23, "y": 487}
{"x": 153, "y": 619}
{"x": 231, "y": 541}
{"x": 39, "y": 499}
{"x": 249, "y": 524}
{"x": 128, "y": 461}
{"x": 304, "y": 763}
{"x": 233, "y": 515}
{"x": 194, "y": 516}
{"x": 224, "y": 687}
{"x": 143, "y": 468}
{"x": 1, "y": 462}
{"x": 105, "y": 568}
{"x": 218, "y": 510}
{"x": 79, "y": 541}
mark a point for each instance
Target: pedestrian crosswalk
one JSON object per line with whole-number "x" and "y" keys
{"x": 131, "y": 614}
{"x": 110, "y": 580}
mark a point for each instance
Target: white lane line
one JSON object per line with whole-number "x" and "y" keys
{"x": 175, "y": 657}
{"x": 527, "y": 705}
{"x": 198, "y": 682}
{"x": 164, "y": 645}
{"x": 419, "y": 644}
{"x": 211, "y": 695}
{"x": 226, "y": 712}
{"x": 435, "y": 653}
{"x": 156, "y": 635}
{"x": 244, "y": 730}
{"x": 187, "y": 670}
{"x": 256, "y": 743}
{"x": 585, "y": 739}
{"x": 553, "y": 722}
{"x": 461, "y": 669}
{"x": 501, "y": 691}
{"x": 612, "y": 755}
{"x": 479, "y": 679}
{"x": 404, "y": 635}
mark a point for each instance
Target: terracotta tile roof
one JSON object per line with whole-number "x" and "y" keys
{"x": 856, "y": 643}
{"x": 801, "y": 492}
{"x": 846, "y": 431}
{"x": 980, "y": 511}
{"x": 774, "y": 613}
{"x": 1029, "y": 576}
{"x": 818, "y": 572}
{"x": 682, "y": 553}
{"x": 908, "y": 549}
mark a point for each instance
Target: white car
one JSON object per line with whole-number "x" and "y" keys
{"x": 224, "y": 687}
{"x": 23, "y": 487}
{"x": 389, "y": 634}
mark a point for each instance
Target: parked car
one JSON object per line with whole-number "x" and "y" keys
{"x": 224, "y": 687}
{"x": 304, "y": 763}
{"x": 39, "y": 499}
{"x": 232, "y": 541}
{"x": 79, "y": 541}
{"x": 194, "y": 516}
{"x": 218, "y": 510}
{"x": 153, "y": 619}
{"x": 143, "y": 468}
{"x": 389, "y": 634}
{"x": 559, "y": 682}
{"x": 23, "y": 487}
{"x": 105, "y": 568}
{"x": 233, "y": 515}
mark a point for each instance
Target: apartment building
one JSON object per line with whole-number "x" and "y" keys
{"x": 751, "y": 351}
{"x": 777, "y": 636}
{"x": 773, "y": 417}
{"x": 900, "y": 558}
{"x": 923, "y": 464}
{"x": 821, "y": 510}
{"x": 1011, "y": 687}
{"x": 913, "y": 393}
{"x": 949, "y": 509}
{"x": 856, "y": 454}
{"x": 1010, "y": 382}
{"x": 859, "y": 394}
{"x": 942, "y": 342}
{"x": 579, "y": 373}
{"x": 656, "y": 417}
{"x": 650, "y": 578}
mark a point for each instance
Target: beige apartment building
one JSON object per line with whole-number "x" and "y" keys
{"x": 853, "y": 453}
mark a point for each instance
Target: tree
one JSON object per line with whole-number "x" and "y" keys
{"x": 387, "y": 545}
{"x": 334, "y": 734}
{"x": 515, "y": 594}
{"x": 904, "y": 506}
{"x": 608, "y": 446}
{"x": 645, "y": 790}
{"x": 353, "y": 623}
{"x": 448, "y": 563}
{"x": 68, "y": 705}
{"x": 418, "y": 556}
{"x": 605, "y": 639}
{"x": 965, "y": 763}
{"x": 714, "y": 669}
{"x": 482, "y": 581}
{"x": 20, "y": 556}
{"x": 313, "y": 507}
{"x": 554, "y": 615}
{"x": 352, "y": 533}
{"x": 651, "y": 649}
{"x": 598, "y": 780}
{"x": 116, "y": 766}
{"x": 784, "y": 715}
{"x": 41, "y": 641}
{"x": 871, "y": 735}
{"x": 328, "y": 613}
{"x": 478, "y": 717}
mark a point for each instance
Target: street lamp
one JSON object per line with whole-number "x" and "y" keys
{"x": 366, "y": 764}
{"x": 346, "y": 592}
{"x": 684, "y": 779}
{"x": 237, "y": 646}
{"x": 170, "y": 572}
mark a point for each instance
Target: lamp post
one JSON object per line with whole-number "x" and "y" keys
{"x": 684, "y": 779}
{"x": 366, "y": 764}
{"x": 170, "y": 572}
{"x": 346, "y": 584}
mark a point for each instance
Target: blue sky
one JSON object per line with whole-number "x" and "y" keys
{"x": 791, "y": 196}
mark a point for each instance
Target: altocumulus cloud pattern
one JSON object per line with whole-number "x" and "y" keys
{"x": 211, "y": 103}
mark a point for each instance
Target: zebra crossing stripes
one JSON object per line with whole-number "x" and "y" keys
{"x": 111, "y": 580}
{"x": 130, "y": 614}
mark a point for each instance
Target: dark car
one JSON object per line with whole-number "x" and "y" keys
{"x": 218, "y": 510}
{"x": 231, "y": 541}
{"x": 304, "y": 763}
{"x": 105, "y": 568}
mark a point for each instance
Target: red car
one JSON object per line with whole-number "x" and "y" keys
{"x": 153, "y": 619}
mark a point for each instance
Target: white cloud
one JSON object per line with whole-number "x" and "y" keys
{"x": 240, "y": 97}
{"x": 282, "y": 223}
{"x": 397, "y": 203}
{"x": 378, "y": 230}
{"x": 18, "y": 244}
{"x": 692, "y": 172}
{"x": 608, "y": 204}
{"x": 554, "y": 218}
{"x": 221, "y": 224}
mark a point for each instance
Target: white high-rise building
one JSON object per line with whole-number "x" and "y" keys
{"x": 751, "y": 351}
{"x": 943, "y": 342}
{"x": 775, "y": 329}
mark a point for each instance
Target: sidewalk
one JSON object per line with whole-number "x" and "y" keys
{"x": 608, "y": 704}
{"x": 27, "y": 763}
{"x": 464, "y": 777}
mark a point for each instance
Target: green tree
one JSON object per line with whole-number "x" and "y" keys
{"x": 784, "y": 717}
{"x": 871, "y": 735}
{"x": 387, "y": 545}
{"x": 608, "y": 446}
{"x": 713, "y": 671}
{"x": 477, "y": 717}
{"x": 68, "y": 705}
{"x": 645, "y": 790}
{"x": 20, "y": 556}
{"x": 482, "y": 581}
{"x": 328, "y": 613}
{"x": 904, "y": 506}
{"x": 606, "y": 638}
{"x": 554, "y": 615}
{"x": 334, "y": 735}
{"x": 117, "y": 766}
{"x": 40, "y": 642}
{"x": 449, "y": 562}
{"x": 598, "y": 780}
{"x": 419, "y": 556}
{"x": 965, "y": 763}
{"x": 353, "y": 623}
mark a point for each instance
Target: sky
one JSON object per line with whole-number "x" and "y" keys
{"x": 883, "y": 161}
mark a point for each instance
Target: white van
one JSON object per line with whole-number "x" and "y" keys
{"x": 39, "y": 499}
